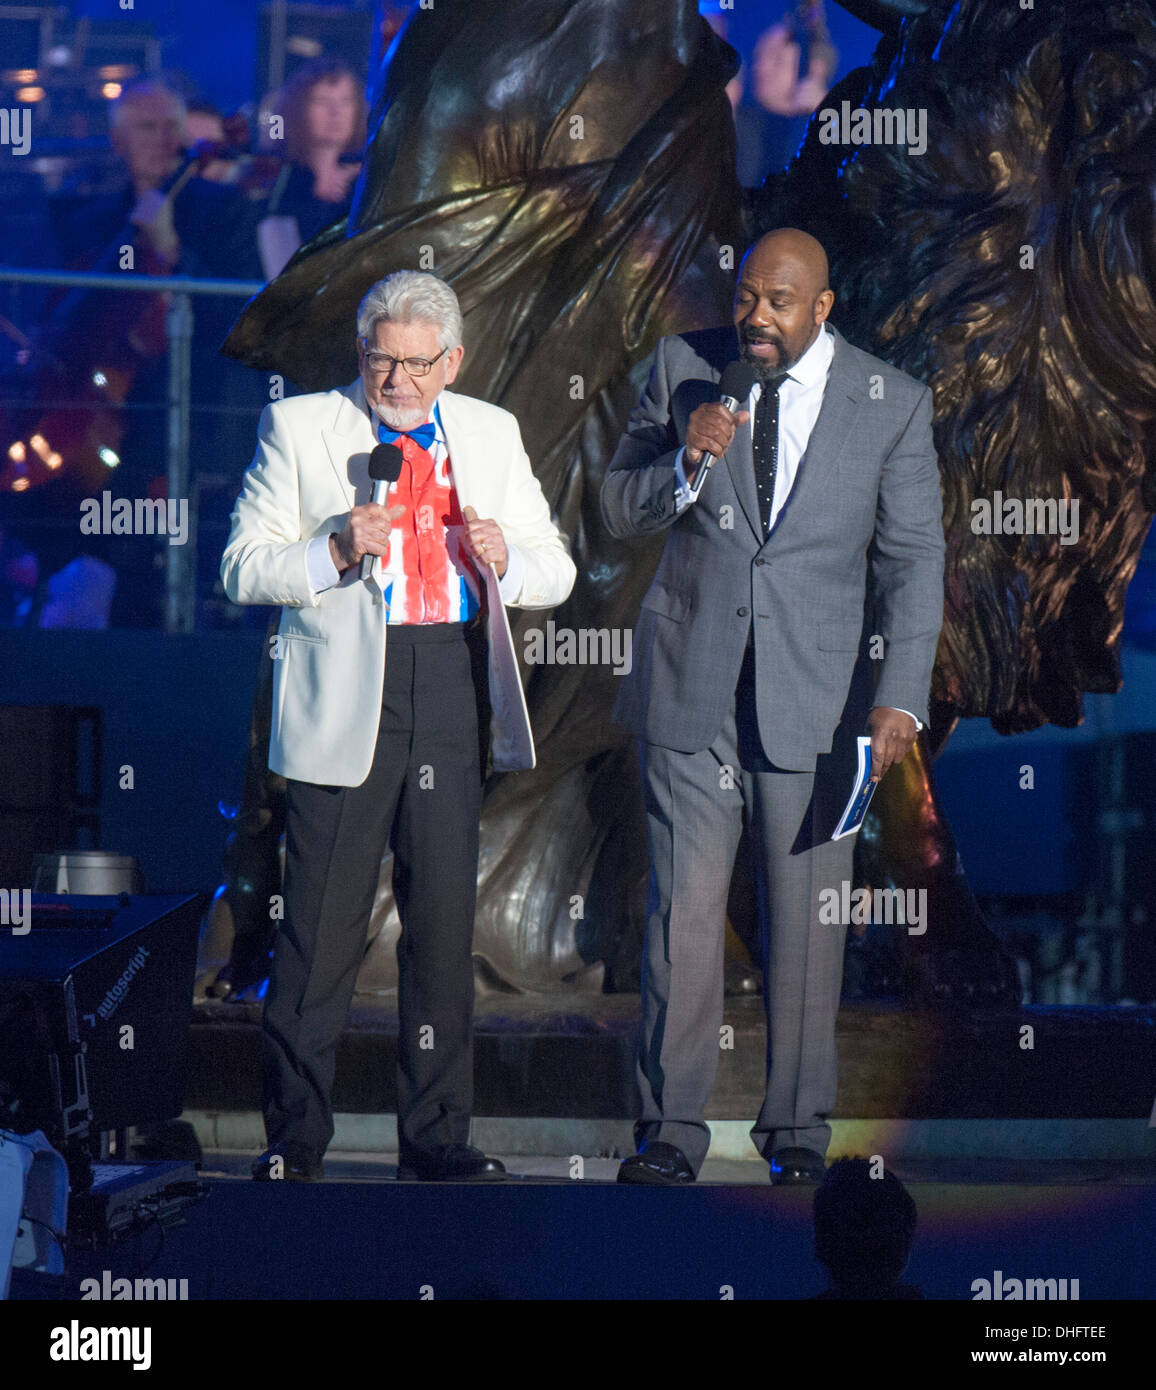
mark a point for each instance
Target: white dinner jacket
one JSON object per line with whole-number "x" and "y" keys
{"x": 311, "y": 467}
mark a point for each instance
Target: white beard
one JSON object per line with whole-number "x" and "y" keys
{"x": 400, "y": 419}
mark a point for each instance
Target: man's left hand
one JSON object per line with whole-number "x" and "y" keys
{"x": 486, "y": 542}
{"x": 892, "y": 738}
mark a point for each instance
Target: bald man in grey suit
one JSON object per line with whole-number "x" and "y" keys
{"x": 819, "y": 526}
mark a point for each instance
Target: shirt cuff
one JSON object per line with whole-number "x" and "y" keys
{"x": 510, "y": 584}
{"x": 319, "y": 567}
{"x": 918, "y": 725}
{"x": 683, "y": 494}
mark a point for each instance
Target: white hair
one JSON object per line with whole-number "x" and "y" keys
{"x": 409, "y": 295}
{"x": 145, "y": 87}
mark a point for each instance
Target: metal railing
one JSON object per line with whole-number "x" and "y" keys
{"x": 180, "y": 560}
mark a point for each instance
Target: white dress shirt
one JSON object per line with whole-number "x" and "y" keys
{"x": 800, "y": 400}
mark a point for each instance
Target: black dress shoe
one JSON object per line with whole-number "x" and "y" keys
{"x": 451, "y": 1163}
{"x": 797, "y": 1166}
{"x": 659, "y": 1165}
{"x": 293, "y": 1162}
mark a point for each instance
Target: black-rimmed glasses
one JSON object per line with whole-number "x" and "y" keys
{"x": 383, "y": 364}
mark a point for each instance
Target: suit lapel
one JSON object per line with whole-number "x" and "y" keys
{"x": 460, "y": 446}
{"x": 740, "y": 462}
{"x": 820, "y": 460}
{"x": 349, "y": 442}
{"x": 723, "y": 347}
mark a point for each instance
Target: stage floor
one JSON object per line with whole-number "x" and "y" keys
{"x": 544, "y": 1236}
{"x": 345, "y": 1166}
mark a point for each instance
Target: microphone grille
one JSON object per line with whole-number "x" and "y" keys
{"x": 738, "y": 380}
{"x": 385, "y": 463}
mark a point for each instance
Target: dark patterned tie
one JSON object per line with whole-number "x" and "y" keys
{"x": 766, "y": 446}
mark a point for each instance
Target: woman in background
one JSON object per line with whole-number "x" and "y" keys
{"x": 323, "y": 108}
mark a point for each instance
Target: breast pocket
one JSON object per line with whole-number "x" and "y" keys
{"x": 303, "y": 625}
{"x": 671, "y": 603}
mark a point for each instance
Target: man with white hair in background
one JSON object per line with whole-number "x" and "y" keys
{"x": 147, "y": 133}
{"x": 374, "y": 714}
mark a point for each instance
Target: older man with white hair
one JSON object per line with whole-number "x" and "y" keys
{"x": 374, "y": 713}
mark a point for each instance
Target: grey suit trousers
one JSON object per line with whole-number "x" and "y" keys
{"x": 696, "y": 806}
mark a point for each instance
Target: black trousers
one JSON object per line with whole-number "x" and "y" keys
{"x": 423, "y": 798}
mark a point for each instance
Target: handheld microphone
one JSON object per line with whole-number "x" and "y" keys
{"x": 384, "y": 468}
{"x": 738, "y": 380}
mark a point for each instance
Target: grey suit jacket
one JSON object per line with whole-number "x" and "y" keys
{"x": 861, "y": 534}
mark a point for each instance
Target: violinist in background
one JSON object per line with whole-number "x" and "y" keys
{"x": 324, "y": 114}
{"x": 241, "y": 223}
{"x": 205, "y": 125}
{"x": 165, "y": 219}
{"x": 147, "y": 132}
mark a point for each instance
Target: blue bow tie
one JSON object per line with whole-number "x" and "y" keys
{"x": 423, "y": 435}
